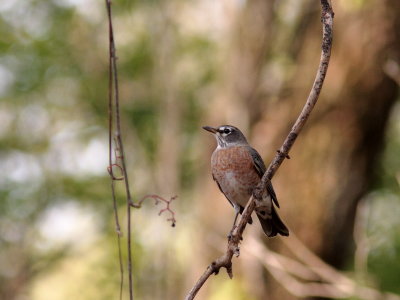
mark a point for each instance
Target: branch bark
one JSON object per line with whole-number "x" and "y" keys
{"x": 225, "y": 260}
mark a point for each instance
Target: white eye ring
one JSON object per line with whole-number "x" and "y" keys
{"x": 225, "y": 131}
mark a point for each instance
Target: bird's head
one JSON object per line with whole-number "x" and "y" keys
{"x": 227, "y": 135}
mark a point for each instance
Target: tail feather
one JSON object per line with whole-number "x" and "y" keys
{"x": 274, "y": 225}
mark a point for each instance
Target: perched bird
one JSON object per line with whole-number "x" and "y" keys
{"x": 237, "y": 169}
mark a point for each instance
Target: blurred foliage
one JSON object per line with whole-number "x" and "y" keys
{"x": 383, "y": 222}
{"x": 144, "y": 115}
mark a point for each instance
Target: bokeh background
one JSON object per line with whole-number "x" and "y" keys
{"x": 184, "y": 64}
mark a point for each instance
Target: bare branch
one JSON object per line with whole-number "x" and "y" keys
{"x": 233, "y": 244}
{"x": 113, "y": 99}
{"x": 110, "y": 143}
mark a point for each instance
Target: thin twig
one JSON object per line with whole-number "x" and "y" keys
{"x": 119, "y": 235}
{"x": 113, "y": 87}
{"x": 110, "y": 153}
{"x": 233, "y": 244}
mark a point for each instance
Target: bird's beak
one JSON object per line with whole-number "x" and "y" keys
{"x": 210, "y": 129}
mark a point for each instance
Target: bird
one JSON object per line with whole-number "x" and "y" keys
{"x": 237, "y": 168}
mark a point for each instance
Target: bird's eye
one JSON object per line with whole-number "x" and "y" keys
{"x": 227, "y": 131}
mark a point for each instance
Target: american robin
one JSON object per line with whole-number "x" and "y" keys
{"x": 237, "y": 169}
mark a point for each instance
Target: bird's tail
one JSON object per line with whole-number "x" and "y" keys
{"x": 273, "y": 225}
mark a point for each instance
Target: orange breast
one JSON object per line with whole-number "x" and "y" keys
{"x": 234, "y": 171}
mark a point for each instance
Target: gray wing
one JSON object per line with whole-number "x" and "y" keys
{"x": 260, "y": 168}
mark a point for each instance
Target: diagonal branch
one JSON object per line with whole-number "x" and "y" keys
{"x": 233, "y": 244}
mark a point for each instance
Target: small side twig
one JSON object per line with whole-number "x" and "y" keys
{"x": 157, "y": 200}
{"x": 225, "y": 261}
